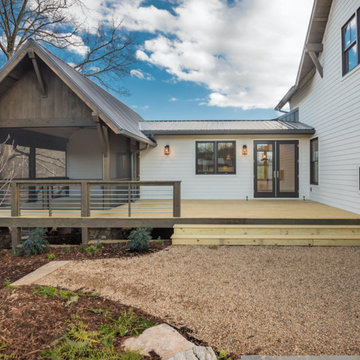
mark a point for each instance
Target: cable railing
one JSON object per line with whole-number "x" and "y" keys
{"x": 90, "y": 198}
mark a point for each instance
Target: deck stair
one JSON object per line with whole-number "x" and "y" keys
{"x": 302, "y": 235}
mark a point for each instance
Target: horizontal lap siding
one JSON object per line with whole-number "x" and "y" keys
{"x": 332, "y": 106}
{"x": 180, "y": 165}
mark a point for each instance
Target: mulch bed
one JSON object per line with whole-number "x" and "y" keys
{"x": 15, "y": 267}
{"x": 30, "y": 322}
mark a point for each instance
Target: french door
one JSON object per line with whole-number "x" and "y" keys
{"x": 276, "y": 168}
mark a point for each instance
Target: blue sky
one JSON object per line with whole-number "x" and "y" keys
{"x": 209, "y": 59}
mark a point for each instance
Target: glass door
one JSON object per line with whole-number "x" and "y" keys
{"x": 287, "y": 169}
{"x": 264, "y": 171}
{"x": 276, "y": 169}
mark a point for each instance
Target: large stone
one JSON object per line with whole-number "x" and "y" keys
{"x": 163, "y": 339}
{"x": 196, "y": 353}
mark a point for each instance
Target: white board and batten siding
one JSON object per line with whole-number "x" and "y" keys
{"x": 332, "y": 105}
{"x": 180, "y": 165}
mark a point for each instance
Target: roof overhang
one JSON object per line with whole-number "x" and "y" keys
{"x": 34, "y": 48}
{"x": 231, "y": 132}
{"x": 313, "y": 45}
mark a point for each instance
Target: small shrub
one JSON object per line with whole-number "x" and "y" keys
{"x": 80, "y": 248}
{"x": 98, "y": 245}
{"x": 139, "y": 239}
{"x": 51, "y": 256}
{"x": 65, "y": 249}
{"x": 36, "y": 243}
{"x": 223, "y": 355}
{"x": 91, "y": 250}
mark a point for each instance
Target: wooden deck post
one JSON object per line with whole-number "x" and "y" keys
{"x": 84, "y": 235}
{"x": 177, "y": 199}
{"x": 85, "y": 199}
{"x": 15, "y": 237}
{"x": 15, "y": 202}
{"x": 129, "y": 200}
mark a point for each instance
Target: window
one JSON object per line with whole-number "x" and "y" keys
{"x": 215, "y": 157}
{"x": 350, "y": 43}
{"x": 314, "y": 161}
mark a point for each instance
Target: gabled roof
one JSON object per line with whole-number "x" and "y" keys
{"x": 217, "y": 127}
{"x": 119, "y": 117}
{"x": 318, "y": 21}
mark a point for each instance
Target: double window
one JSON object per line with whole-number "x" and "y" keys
{"x": 314, "y": 161}
{"x": 350, "y": 43}
{"x": 215, "y": 157}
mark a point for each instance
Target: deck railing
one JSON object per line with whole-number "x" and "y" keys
{"x": 87, "y": 198}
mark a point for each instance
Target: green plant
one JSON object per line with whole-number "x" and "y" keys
{"x": 65, "y": 295}
{"x": 8, "y": 286}
{"x": 160, "y": 242}
{"x": 223, "y": 355}
{"x": 51, "y": 256}
{"x": 139, "y": 239}
{"x": 36, "y": 243}
{"x": 65, "y": 249}
{"x": 80, "y": 343}
{"x": 91, "y": 250}
{"x": 100, "y": 311}
{"x": 98, "y": 245}
{"x": 45, "y": 291}
{"x": 80, "y": 248}
{"x": 3, "y": 347}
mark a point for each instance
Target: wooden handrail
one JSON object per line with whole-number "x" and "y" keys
{"x": 85, "y": 192}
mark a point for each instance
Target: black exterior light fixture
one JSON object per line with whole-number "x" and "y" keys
{"x": 244, "y": 150}
{"x": 167, "y": 150}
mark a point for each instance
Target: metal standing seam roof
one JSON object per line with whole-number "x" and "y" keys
{"x": 187, "y": 127}
{"x": 112, "y": 111}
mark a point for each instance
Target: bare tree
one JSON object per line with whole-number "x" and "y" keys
{"x": 104, "y": 50}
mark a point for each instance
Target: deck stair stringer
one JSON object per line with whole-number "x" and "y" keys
{"x": 300, "y": 235}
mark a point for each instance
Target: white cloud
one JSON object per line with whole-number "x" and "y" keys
{"x": 141, "y": 75}
{"x": 173, "y": 99}
{"x": 246, "y": 54}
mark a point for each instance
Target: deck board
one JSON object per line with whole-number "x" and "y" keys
{"x": 213, "y": 209}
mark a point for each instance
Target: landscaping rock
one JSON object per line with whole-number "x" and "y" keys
{"x": 162, "y": 339}
{"x": 196, "y": 353}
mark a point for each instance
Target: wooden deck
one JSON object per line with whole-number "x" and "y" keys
{"x": 93, "y": 204}
{"x": 212, "y": 211}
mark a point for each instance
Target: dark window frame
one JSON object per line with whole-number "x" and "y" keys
{"x": 312, "y": 181}
{"x": 356, "y": 43}
{"x": 215, "y": 142}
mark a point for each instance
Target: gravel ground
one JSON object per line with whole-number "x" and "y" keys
{"x": 247, "y": 300}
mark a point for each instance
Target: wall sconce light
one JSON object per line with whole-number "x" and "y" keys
{"x": 167, "y": 150}
{"x": 244, "y": 150}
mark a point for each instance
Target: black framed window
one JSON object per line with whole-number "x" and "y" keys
{"x": 350, "y": 43}
{"x": 314, "y": 161}
{"x": 215, "y": 157}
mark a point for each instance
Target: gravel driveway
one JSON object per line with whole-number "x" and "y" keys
{"x": 247, "y": 300}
